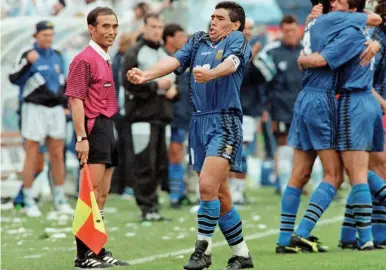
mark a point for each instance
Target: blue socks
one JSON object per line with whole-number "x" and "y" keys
{"x": 362, "y": 209}
{"x": 378, "y": 222}
{"x": 176, "y": 182}
{"x": 289, "y": 208}
{"x": 231, "y": 226}
{"x": 377, "y": 187}
{"x": 319, "y": 202}
{"x": 348, "y": 231}
{"x": 208, "y": 214}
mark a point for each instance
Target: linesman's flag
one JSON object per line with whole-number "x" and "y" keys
{"x": 88, "y": 225}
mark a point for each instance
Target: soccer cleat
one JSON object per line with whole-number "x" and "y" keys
{"x": 380, "y": 245}
{"x": 32, "y": 210}
{"x": 310, "y": 244}
{"x": 343, "y": 245}
{"x": 239, "y": 262}
{"x": 108, "y": 258}
{"x": 290, "y": 249}
{"x": 369, "y": 245}
{"x": 91, "y": 261}
{"x": 198, "y": 260}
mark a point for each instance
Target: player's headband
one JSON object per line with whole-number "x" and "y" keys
{"x": 325, "y": 3}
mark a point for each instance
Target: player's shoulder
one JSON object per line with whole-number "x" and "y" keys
{"x": 272, "y": 46}
{"x": 236, "y": 35}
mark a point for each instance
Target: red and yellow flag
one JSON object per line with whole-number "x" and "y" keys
{"x": 88, "y": 225}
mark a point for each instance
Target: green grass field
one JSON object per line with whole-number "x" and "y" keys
{"x": 47, "y": 243}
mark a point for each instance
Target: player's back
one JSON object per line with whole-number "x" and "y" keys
{"x": 353, "y": 76}
{"x": 318, "y": 34}
{"x": 380, "y": 62}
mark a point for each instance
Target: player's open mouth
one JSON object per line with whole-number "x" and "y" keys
{"x": 212, "y": 31}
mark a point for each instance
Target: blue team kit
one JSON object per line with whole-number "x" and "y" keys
{"x": 215, "y": 129}
{"x": 320, "y": 120}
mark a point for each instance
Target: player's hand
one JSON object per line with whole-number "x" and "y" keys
{"x": 82, "y": 148}
{"x": 317, "y": 11}
{"x": 202, "y": 75}
{"x": 32, "y": 56}
{"x": 135, "y": 76}
{"x": 171, "y": 92}
{"x": 371, "y": 50}
{"x": 165, "y": 83}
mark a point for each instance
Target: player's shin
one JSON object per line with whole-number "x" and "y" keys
{"x": 207, "y": 216}
{"x": 231, "y": 226}
{"x": 377, "y": 187}
{"x": 289, "y": 208}
{"x": 362, "y": 209}
{"x": 348, "y": 231}
{"x": 378, "y": 224}
{"x": 319, "y": 202}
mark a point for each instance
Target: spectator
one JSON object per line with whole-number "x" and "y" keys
{"x": 39, "y": 74}
{"x": 174, "y": 39}
{"x": 149, "y": 103}
{"x": 122, "y": 175}
{"x": 250, "y": 102}
{"x": 278, "y": 63}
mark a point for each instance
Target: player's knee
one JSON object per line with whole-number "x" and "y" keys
{"x": 208, "y": 189}
{"x": 300, "y": 177}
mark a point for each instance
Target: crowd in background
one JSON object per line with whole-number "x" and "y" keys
{"x": 258, "y": 90}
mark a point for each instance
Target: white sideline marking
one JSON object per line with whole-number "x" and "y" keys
{"x": 223, "y": 243}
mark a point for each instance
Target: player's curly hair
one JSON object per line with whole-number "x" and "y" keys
{"x": 358, "y": 4}
{"x": 236, "y": 12}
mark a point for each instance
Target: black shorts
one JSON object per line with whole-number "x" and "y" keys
{"x": 103, "y": 147}
{"x": 280, "y": 128}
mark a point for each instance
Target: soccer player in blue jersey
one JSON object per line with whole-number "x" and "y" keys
{"x": 377, "y": 164}
{"x": 216, "y": 60}
{"x": 359, "y": 122}
{"x": 312, "y": 130}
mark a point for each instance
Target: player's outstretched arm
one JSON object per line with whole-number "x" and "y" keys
{"x": 227, "y": 67}
{"x": 373, "y": 19}
{"x": 162, "y": 68}
{"x": 314, "y": 60}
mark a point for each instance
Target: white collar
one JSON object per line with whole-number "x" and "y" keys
{"x": 99, "y": 50}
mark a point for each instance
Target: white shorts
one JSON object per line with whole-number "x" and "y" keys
{"x": 39, "y": 122}
{"x": 249, "y": 128}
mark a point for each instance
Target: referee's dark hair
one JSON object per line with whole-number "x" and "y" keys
{"x": 236, "y": 12}
{"x": 92, "y": 17}
{"x": 170, "y": 30}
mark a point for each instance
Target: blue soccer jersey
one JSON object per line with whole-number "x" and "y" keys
{"x": 221, "y": 93}
{"x": 380, "y": 62}
{"x": 353, "y": 76}
{"x": 321, "y": 32}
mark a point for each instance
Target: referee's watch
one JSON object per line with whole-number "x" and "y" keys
{"x": 81, "y": 138}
